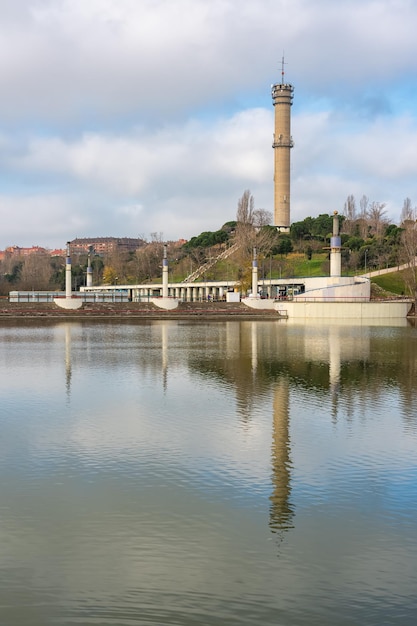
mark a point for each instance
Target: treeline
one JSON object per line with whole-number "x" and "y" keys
{"x": 41, "y": 272}
{"x": 369, "y": 241}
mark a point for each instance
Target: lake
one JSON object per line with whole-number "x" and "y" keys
{"x": 207, "y": 473}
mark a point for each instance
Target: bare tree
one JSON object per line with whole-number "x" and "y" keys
{"x": 252, "y": 228}
{"x": 252, "y": 231}
{"x": 261, "y": 217}
{"x": 350, "y": 214}
{"x": 157, "y": 237}
{"x": 407, "y": 212}
{"x": 362, "y": 218}
{"x": 245, "y": 208}
{"x": 377, "y": 217}
{"x": 117, "y": 262}
{"x": 245, "y": 234}
{"x": 148, "y": 261}
{"x": 36, "y": 272}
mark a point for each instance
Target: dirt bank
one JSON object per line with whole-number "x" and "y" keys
{"x": 185, "y": 310}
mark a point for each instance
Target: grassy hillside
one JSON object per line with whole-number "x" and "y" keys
{"x": 393, "y": 283}
{"x": 295, "y": 264}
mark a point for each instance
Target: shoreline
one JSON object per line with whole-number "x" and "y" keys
{"x": 146, "y": 311}
{"x": 141, "y": 311}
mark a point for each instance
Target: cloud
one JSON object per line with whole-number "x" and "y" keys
{"x": 44, "y": 219}
{"x": 130, "y": 117}
{"x": 105, "y": 57}
{"x": 173, "y": 167}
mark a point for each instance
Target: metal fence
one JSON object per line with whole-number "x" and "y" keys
{"x": 50, "y": 296}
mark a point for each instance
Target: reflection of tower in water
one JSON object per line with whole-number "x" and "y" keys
{"x": 281, "y": 510}
{"x": 247, "y": 347}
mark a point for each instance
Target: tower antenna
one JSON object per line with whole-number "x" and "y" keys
{"x": 282, "y": 69}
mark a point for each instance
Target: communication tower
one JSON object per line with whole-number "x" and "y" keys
{"x": 282, "y": 97}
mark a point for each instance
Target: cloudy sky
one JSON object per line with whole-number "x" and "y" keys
{"x": 128, "y": 117}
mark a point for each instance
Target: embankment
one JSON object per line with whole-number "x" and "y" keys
{"x": 185, "y": 310}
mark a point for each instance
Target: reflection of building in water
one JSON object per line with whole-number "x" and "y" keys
{"x": 281, "y": 510}
{"x": 242, "y": 364}
{"x": 335, "y": 344}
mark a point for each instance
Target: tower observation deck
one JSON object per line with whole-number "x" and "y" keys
{"x": 282, "y": 97}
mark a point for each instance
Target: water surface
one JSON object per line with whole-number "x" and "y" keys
{"x": 195, "y": 473}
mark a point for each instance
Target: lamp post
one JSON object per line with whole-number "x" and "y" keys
{"x": 366, "y": 254}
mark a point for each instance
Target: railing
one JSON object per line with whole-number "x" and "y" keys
{"x": 331, "y": 299}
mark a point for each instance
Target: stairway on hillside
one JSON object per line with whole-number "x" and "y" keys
{"x": 209, "y": 264}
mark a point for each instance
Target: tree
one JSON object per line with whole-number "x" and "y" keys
{"x": 377, "y": 218}
{"x": 109, "y": 275}
{"x": 252, "y": 231}
{"x": 350, "y": 215}
{"x": 322, "y": 226}
{"x": 261, "y": 217}
{"x": 36, "y": 272}
{"x": 245, "y": 229}
{"x": 407, "y": 212}
{"x": 207, "y": 239}
{"x": 301, "y": 230}
{"x": 409, "y": 252}
{"x": 11, "y": 268}
{"x": 283, "y": 246}
{"x": 147, "y": 261}
{"x": 362, "y": 219}
{"x": 245, "y": 208}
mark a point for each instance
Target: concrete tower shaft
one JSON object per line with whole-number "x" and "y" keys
{"x": 282, "y": 96}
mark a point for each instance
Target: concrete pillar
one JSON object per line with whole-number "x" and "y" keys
{"x": 335, "y": 249}
{"x": 255, "y": 275}
{"x": 68, "y": 282}
{"x": 89, "y": 281}
{"x": 165, "y": 274}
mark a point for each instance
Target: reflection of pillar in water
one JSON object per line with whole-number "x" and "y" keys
{"x": 334, "y": 366}
{"x": 281, "y": 511}
{"x": 164, "y": 338}
{"x": 232, "y": 341}
{"x": 254, "y": 346}
{"x": 68, "y": 371}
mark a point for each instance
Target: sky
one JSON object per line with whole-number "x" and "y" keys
{"x": 131, "y": 117}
